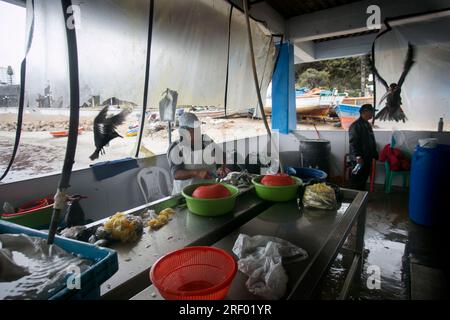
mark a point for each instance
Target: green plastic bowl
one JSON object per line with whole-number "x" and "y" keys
{"x": 210, "y": 207}
{"x": 277, "y": 193}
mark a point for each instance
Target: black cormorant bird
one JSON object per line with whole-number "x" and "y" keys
{"x": 105, "y": 130}
{"x": 392, "y": 109}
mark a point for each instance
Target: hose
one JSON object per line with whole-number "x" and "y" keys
{"x": 64, "y": 183}
{"x": 23, "y": 72}
{"x": 255, "y": 78}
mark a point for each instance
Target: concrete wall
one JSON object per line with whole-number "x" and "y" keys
{"x": 407, "y": 140}
{"x": 104, "y": 197}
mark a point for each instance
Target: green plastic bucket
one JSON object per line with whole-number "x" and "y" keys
{"x": 277, "y": 193}
{"x": 36, "y": 219}
{"x": 210, "y": 207}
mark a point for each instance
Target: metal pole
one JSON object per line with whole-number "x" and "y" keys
{"x": 228, "y": 63}
{"x": 147, "y": 74}
{"x": 374, "y": 85}
{"x": 170, "y": 132}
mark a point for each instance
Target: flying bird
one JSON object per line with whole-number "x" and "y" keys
{"x": 105, "y": 130}
{"x": 393, "y": 109}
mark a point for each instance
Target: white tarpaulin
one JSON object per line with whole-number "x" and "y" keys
{"x": 188, "y": 55}
{"x": 47, "y": 77}
{"x": 241, "y": 87}
{"x": 189, "y": 51}
{"x": 112, "y": 46}
{"x": 426, "y": 90}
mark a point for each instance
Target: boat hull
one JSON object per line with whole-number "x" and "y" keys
{"x": 63, "y": 134}
{"x": 315, "y": 111}
{"x": 357, "y": 101}
{"x": 311, "y": 105}
{"x": 347, "y": 114}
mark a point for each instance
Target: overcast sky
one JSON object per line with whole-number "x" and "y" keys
{"x": 12, "y": 36}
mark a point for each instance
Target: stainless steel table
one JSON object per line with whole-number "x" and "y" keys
{"x": 322, "y": 233}
{"x": 186, "y": 229}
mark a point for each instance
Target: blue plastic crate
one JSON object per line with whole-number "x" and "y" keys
{"x": 105, "y": 261}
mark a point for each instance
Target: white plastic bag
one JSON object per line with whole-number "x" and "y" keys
{"x": 168, "y": 105}
{"x": 260, "y": 258}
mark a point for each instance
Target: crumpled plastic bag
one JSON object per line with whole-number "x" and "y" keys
{"x": 320, "y": 196}
{"x": 260, "y": 258}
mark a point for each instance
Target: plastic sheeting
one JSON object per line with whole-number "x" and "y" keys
{"x": 189, "y": 51}
{"x": 47, "y": 78}
{"x": 188, "y": 54}
{"x": 112, "y": 42}
{"x": 426, "y": 91}
{"x": 241, "y": 88}
{"x": 112, "y": 45}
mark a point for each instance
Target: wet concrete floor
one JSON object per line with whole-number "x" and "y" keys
{"x": 392, "y": 241}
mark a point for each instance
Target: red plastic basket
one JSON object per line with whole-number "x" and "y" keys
{"x": 194, "y": 273}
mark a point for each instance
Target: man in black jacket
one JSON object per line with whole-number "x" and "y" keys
{"x": 363, "y": 148}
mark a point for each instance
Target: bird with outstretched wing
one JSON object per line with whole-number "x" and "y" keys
{"x": 393, "y": 109}
{"x": 105, "y": 130}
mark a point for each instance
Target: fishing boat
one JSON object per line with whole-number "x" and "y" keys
{"x": 347, "y": 113}
{"x": 315, "y": 102}
{"x": 358, "y": 101}
{"x": 348, "y": 109}
{"x": 133, "y": 130}
{"x": 65, "y": 133}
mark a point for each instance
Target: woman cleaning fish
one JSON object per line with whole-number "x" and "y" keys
{"x": 192, "y": 157}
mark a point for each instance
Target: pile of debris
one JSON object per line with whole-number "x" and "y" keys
{"x": 43, "y": 126}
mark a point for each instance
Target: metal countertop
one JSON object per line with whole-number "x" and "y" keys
{"x": 185, "y": 229}
{"x": 320, "y": 232}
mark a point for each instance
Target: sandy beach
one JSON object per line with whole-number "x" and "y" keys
{"x": 41, "y": 154}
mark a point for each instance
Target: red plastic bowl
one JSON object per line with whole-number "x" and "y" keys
{"x": 277, "y": 180}
{"x": 194, "y": 273}
{"x": 213, "y": 191}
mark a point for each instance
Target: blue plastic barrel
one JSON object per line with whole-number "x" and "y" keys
{"x": 308, "y": 174}
{"x": 428, "y": 185}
